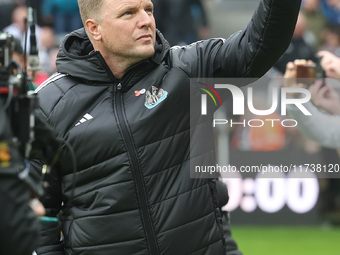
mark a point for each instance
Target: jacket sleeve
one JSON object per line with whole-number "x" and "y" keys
{"x": 247, "y": 53}
{"x": 231, "y": 245}
{"x": 50, "y": 239}
{"x": 253, "y": 51}
{"x": 52, "y": 198}
{"x": 223, "y": 198}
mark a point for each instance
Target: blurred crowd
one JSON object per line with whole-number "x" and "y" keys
{"x": 318, "y": 28}
{"x": 316, "y": 40}
{"x": 181, "y": 22}
{"x": 55, "y": 18}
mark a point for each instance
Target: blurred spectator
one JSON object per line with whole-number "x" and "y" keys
{"x": 18, "y": 58}
{"x": 323, "y": 127}
{"x": 320, "y": 127}
{"x": 47, "y": 48}
{"x": 17, "y": 27}
{"x": 41, "y": 75}
{"x": 331, "y": 39}
{"x": 62, "y": 15}
{"x": 46, "y": 39}
{"x": 181, "y": 21}
{"x": 6, "y": 9}
{"x": 330, "y": 9}
{"x": 334, "y": 3}
{"x": 315, "y": 22}
{"x": 298, "y": 48}
{"x": 18, "y": 54}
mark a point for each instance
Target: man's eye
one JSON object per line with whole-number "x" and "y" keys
{"x": 150, "y": 10}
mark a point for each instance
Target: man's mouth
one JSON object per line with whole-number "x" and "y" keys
{"x": 145, "y": 37}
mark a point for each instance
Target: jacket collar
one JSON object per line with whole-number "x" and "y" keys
{"x": 77, "y": 58}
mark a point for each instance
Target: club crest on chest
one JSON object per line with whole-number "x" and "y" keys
{"x": 155, "y": 97}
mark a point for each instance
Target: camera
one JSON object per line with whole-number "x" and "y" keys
{"x": 6, "y": 49}
{"x": 308, "y": 73}
{"x": 30, "y": 135}
{"x": 18, "y": 105}
{"x": 9, "y": 76}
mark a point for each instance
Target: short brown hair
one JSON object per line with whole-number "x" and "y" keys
{"x": 89, "y": 9}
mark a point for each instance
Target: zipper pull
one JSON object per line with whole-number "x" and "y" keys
{"x": 119, "y": 86}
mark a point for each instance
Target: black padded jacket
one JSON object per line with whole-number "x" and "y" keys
{"x": 133, "y": 193}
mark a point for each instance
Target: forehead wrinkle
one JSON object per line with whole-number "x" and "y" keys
{"x": 123, "y": 4}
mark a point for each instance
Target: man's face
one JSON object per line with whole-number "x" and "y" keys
{"x": 127, "y": 29}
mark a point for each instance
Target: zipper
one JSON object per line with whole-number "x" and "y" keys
{"x": 137, "y": 173}
{"x": 136, "y": 169}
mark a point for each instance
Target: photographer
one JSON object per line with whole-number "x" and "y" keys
{"x": 18, "y": 222}
{"x": 20, "y": 139}
{"x": 324, "y": 124}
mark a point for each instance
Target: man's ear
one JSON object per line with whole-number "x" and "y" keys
{"x": 92, "y": 27}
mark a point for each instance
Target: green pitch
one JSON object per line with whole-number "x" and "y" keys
{"x": 257, "y": 240}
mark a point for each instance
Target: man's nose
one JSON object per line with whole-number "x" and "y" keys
{"x": 145, "y": 19}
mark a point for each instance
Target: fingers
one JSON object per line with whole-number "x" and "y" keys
{"x": 290, "y": 70}
{"x": 37, "y": 207}
{"x": 319, "y": 92}
{"x": 316, "y": 86}
{"x": 318, "y": 89}
{"x": 323, "y": 53}
{"x": 294, "y": 73}
{"x": 326, "y": 55}
{"x": 298, "y": 62}
{"x": 301, "y": 86}
{"x": 330, "y": 63}
{"x": 290, "y": 66}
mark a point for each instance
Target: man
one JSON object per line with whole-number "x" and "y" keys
{"x": 133, "y": 193}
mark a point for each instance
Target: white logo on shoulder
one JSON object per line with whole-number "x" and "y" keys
{"x": 86, "y": 117}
